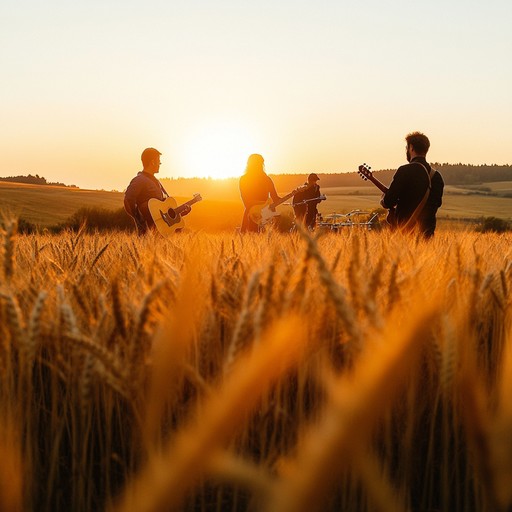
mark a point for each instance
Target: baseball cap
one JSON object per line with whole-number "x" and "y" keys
{"x": 313, "y": 177}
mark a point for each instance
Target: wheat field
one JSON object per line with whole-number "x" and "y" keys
{"x": 361, "y": 371}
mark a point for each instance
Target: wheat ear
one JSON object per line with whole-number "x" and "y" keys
{"x": 500, "y": 438}
{"x": 34, "y": 326}
{"x": 14, "y": 319}
{"x": 337, "y": 294}
{"x": 243, "y": 325}
{"x": 10, "y": 233}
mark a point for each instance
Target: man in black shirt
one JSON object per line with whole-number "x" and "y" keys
{"x": 416, "y": 190}
{"x": 144, "y": 187}
{"x": 304, "y": 204}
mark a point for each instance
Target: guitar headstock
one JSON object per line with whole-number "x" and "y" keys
{"x": 197, "y": 197}
{"x": 364, "y": 171}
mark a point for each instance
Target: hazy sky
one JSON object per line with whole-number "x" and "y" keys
{"x": 312, "y": 86}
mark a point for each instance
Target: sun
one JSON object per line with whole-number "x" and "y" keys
{"x": 218, "y": 150}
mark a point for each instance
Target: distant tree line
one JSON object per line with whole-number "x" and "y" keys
{"x": 35, "y": 180}
{"x": 453, "y": 174}
{"x": 465, "y": 174}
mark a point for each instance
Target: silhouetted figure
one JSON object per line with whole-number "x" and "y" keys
{"x": 144, "y": 187}
{"x": 255, "y": 188}
{"x": 416, "y": 190}
{"x": 304, "y": 204}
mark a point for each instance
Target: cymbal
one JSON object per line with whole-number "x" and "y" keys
{"x": 334, "y": 216}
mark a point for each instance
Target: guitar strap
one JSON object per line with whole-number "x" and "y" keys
{"x": 164, "y": 192}
{"x": 412, "y": 219}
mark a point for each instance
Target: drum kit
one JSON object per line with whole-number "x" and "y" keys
{"x": 334, "y": 222}
{"x": 356, "y": 218}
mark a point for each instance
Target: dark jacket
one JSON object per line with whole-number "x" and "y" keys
{"x": 407, "y": 189}
{"x": 141, "y": 189}
{"x": 307, "y": 210}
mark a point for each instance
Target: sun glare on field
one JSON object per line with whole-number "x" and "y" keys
{"x": 218, "y": 150}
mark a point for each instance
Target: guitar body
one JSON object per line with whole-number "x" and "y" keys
{"x": 261, "y": 214}
{"x": 165, "y": 217}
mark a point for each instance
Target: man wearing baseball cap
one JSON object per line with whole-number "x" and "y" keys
{"x": 305, "y": 202}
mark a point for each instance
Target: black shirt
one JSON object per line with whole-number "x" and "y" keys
{"x": 409, "y": 185}
{"x": 310, "y": 192}
{"x": 141, "y": 189}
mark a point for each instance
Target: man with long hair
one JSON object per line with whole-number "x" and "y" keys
{"x": 416, "y": 190}
{"x": 255, "y": 188}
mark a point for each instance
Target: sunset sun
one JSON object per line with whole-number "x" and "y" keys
{"x": 218, "y": 150}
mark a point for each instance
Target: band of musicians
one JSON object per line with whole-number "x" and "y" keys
{"x": 412, "y": 199}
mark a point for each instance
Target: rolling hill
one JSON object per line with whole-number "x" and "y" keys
{"x": 221, "y": 208}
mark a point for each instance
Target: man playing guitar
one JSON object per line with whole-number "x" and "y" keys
{"x": 144, "y": 187}
{"x": 416, "y": 190}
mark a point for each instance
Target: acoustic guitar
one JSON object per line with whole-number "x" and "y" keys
{"x": 365, "y": 172}
{"x": 262, "y": 213}
{"x": 167, "y": 214}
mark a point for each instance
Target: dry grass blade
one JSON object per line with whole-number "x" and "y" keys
{"x": 171, "y": 345}
{"x": 476, "y": 417}
{"x": 501, "y": 435}
{"x": 168, "y": 476}
{"x": 357, "y": 403}
{"x": 11, "y": 470}
{"x": 229, "y": 468}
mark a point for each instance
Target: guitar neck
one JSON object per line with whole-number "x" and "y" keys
{"x": 181, "y": 207}
{"x": 283, "y": 199}
{"x": 377, "y": 183}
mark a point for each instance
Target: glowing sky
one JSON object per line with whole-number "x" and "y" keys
{"x": 86, "y": 86}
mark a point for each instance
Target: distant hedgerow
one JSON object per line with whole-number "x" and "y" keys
{"x": 99, "y": 219}
{"x": 493, "y": 224}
